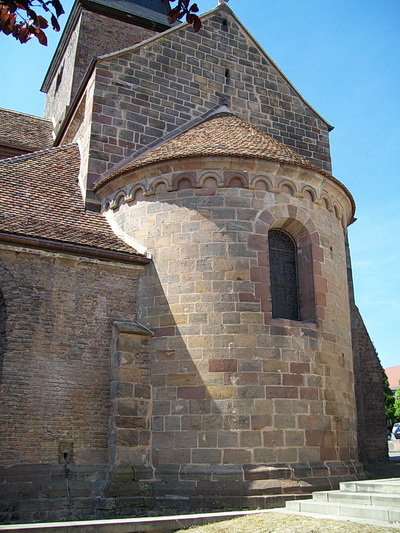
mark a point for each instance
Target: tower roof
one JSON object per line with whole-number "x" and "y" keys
{"x": 150, "y": 10}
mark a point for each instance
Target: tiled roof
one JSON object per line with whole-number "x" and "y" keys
{"x": 26, "y": 132}
{"x": 393, "y": 374}
{"x": 40, "y": 198}
{"x": 222, "y": 134}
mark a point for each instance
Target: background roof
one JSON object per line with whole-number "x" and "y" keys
{"x": 49, "y": 204}
{"x": 393, "y": 374}
{"x": 25, "y": 131}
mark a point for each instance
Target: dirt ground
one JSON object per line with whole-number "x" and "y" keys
{"x": 291, "y": 523}
{"x": 286, "y": 523}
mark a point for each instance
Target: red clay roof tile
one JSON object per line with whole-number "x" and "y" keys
{"x": 223, "y": 134}
{"x": 23, "y": 131}
{"x": 40, "y": 198}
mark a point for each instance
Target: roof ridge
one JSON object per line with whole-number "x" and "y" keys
{"x": 37, "y": 153}
{"x": 24, "y": 114}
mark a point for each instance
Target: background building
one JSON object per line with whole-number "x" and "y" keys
{"x": 393, "y": 374}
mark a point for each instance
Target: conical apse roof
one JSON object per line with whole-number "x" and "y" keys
{"x": 223, "y": 134}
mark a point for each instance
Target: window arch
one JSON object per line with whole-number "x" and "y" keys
{"x": 283, "y": 275}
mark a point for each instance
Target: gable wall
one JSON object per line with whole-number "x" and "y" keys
{"x": 145, "y": 94}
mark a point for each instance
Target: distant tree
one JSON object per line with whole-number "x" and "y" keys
{"x": 397, "y": 403}
{"x": 389, "y": 398}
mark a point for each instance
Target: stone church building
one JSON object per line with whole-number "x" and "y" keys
{"x": 177, "y": 323}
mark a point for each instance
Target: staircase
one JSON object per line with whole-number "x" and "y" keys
{"x": 375, "y": 500}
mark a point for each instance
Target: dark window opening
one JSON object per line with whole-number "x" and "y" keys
{"x": 283, "y": 275}
{"x": 59, "y": 78}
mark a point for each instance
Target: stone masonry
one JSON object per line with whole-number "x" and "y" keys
{"x": 232, "y": 386}
{"x": 141, "y": 368}
{"x": 153, "y": 89}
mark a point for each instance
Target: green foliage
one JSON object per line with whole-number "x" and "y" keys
{"x": 397, "y": 403}
{"x": 389, "y": 398}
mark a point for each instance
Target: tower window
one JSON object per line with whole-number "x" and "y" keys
{"x": 283, "y": 275}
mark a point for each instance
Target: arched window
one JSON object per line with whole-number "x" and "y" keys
{"x": 283, "y": 275}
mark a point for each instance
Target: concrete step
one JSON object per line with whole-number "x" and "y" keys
{"x": 364, "y": 512}
{"x": 359, "y": 498}
{"x": 375, "y": 501}
{"x": 388, "y": 486}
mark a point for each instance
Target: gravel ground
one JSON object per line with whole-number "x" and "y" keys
{"x": 286, "y": 523}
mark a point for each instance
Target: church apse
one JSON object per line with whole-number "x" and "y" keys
{"x": 238, "y": 389}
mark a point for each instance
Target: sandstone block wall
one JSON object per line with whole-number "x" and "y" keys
{"x": 144, "y": 94}
{"x": 93, "y": 36}
{"x": 231, "y": 386}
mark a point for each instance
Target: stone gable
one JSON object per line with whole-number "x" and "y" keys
{"x": 146, "y": 92}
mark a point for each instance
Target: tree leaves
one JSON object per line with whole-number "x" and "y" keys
{"x": 19, "y": 19}
{"x": 182, "y": 9}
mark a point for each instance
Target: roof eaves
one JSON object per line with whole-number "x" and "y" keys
{"x": 326, "y": 174}
{"x": 74, "y": 249}
{"x": 143, "y": 16}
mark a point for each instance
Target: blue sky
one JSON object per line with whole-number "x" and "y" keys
{"x": 344, "y": 58}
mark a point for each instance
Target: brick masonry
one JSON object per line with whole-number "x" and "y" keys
{"x": 62, "y": 355}
{"x": 55, "y": 371}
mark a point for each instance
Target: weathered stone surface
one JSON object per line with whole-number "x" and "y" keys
{"x": 225, "y": 405}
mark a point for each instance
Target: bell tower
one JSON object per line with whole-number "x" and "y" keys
{"x": 94, "y": 29}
